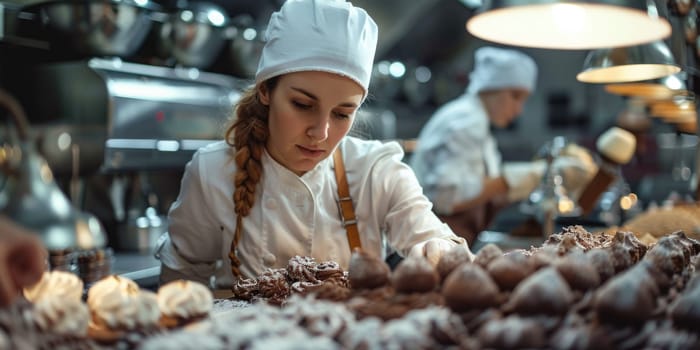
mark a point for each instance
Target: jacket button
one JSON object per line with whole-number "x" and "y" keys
{"x": 271, "y": 203}
{"x": 269, "y": 259}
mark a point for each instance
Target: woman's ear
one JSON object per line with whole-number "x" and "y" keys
{"x": 263, "y": 94}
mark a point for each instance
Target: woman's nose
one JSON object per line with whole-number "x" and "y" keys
{"x": 319, "y": 129}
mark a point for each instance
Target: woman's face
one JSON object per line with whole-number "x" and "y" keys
{"x": 310, "y": 112}
{"x": 505, "y": 105}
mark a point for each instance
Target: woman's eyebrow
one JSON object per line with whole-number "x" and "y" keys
{"x": 315, "y": 98}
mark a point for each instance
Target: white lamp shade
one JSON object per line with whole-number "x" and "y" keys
{"x": 573, "y": 25}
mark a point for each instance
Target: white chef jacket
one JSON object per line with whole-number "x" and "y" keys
{"x": 454, "y": 152}
{"x": 295, "y": 215}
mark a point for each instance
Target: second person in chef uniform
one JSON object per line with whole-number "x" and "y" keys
{"x": 457, "y": 160}
{"x": 271, "y": 189}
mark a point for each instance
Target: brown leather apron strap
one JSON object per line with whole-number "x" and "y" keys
{"x": 345, "y": 207}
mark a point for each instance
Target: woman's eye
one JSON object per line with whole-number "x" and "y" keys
{"x": 301, "y": 105}
{"x": 342, "y": 115}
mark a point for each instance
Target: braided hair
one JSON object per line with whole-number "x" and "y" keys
{"x": 247, "y": 134}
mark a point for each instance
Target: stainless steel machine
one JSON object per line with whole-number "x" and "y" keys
{"x": 120, "y": 134}
{"x": 141, "y": 117}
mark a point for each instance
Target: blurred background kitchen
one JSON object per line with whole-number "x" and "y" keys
{"x": 118, "y": 94}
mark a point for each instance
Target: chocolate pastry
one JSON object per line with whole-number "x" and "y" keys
{"x": 453, "y": 257}
{"x": 543, "y": 293}
{"x": 509, "y": 269}
{"x": 512, "y": 332}
{"x": 245, "y": 288}
{"x": 629, "y": 297}
{"x": 414, "y": 274}
{"x": 602, "y": 261}
{"x": 301, "y": 268}
{"x": 329, "y": 270}
{"x": 272, "y": 284}
{"x": 487, "y": 254}
{"x": 469, "y": 287}
{"x": 304, "y": 287}
{"x": 367, "y": 271}
{"x": 577, "y": 270}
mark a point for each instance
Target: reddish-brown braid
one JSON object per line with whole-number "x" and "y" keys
{"x": 247, "y": 135}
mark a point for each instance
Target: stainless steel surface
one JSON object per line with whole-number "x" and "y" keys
{"x": 97, "y": 28}
{"x": 194, "y": 35}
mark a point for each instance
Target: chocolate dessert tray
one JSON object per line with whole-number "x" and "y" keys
{"x": 576, "y": 290}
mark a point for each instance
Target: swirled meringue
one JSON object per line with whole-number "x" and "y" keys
{"x": 119, "y": 303}
{"x": 65, "y": 285}
{"x": 68, "y": 317}
{"x": 185, "y": 299}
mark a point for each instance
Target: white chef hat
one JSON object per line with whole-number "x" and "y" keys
{"x": 319, "y": 35}
{"x": 497, "y": 68}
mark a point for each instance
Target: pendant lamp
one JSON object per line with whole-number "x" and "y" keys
{"x": 675, "y": 110}
{"x": 629, "y": 64}
{"x": 661, "y": 89}
{"x": 572, "y": 24}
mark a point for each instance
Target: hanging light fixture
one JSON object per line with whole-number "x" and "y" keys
{"x": 31, "y": 198}
{"x": 573, "y": 25}
{"x": 661, "y": 89}
{"x": 628, "y": 64}
{"x": 678, "y": 109}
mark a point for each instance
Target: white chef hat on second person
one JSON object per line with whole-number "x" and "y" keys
{"x": 497, "y": 68}
{"x": 319, "y": 35}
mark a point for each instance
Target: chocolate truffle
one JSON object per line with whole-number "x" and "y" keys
{"x": 469, "y": 287}
{"x": 487, "y": 254}
{"x": 367, "y": 271}
{"x": 628, "y": 298}
{"x": 414, "y": 274}
{"x": 602, "y": 260}
{"x": 453, "y": 257}
{"x": 669, "y": 255}
{"x": 685, "y": 311}
{"x": 543, "y": 256}
{"x": 627, "y": 250}
{"x": 512, "y": 332}
{"x": 509, "y": 269}
{"x": 577, "y": 270}
{"x": 543, "y": 293}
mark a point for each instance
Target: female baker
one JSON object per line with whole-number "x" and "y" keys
{"x": 288, "y": 180}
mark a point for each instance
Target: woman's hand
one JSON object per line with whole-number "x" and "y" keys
{"x": 432, "y": 249}
{"x": 22, "y": 260}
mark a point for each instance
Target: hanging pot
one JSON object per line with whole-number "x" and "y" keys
{"x": 95, "y": 27}
{"x": 194, "y": 35}
{"x": 246, "y": 46}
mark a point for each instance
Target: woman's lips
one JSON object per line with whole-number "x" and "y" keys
{"x": 310, "y": 151}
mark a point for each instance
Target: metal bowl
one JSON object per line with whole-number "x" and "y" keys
{"x": 97, "y": 27}
{"x": 245, "y": 47}
{"x": 195, "y": 35}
